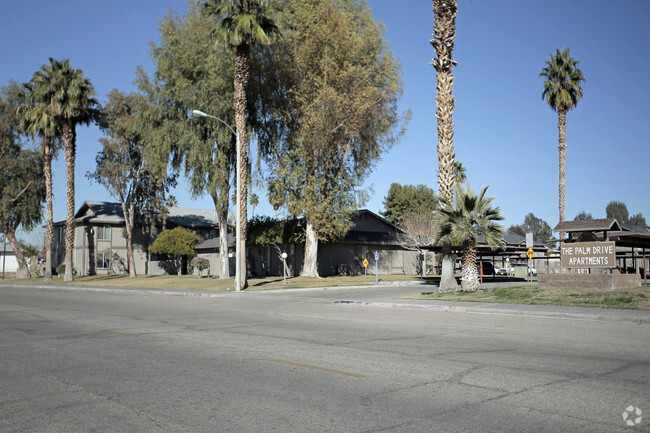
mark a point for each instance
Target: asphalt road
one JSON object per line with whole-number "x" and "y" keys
{"x": 80, "y": 361}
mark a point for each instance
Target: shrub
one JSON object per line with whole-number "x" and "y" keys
{"x": 200, "y": 264}
{"x": 60, "y": 270}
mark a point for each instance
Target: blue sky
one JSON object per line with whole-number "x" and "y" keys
{"x": 506, "y": 136}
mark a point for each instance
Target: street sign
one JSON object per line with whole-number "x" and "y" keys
{"x": 365, "y": 263}
{"x": 530, "y": 253}
{"x": 376, "y": 256}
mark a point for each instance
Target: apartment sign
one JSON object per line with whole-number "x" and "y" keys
{"x": 588, "y": 255}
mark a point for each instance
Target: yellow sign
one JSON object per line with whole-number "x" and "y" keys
{"x": 365, "y": 263}
{"x": 530, "y": 253}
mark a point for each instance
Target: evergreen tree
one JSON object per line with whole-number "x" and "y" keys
{"x": 176, "y": 243}
{"x": 583, "y": 216}
{"x": 22, "y": 184}
{"x": 617, "y": 209}
{"x": 338, "y": 108}
{"x": 403, "y": 201}
{"x": 124, "y": 167}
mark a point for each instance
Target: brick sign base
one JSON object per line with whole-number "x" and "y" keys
{"x": 607, "y": 282}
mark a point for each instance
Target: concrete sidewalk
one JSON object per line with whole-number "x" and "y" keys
{"x": 539, "y": 311}
{"x": 392, "y": 296}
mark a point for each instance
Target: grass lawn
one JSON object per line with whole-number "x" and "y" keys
{"x": 186, "y": 282}
{"x": 632, "y": 299}
{"x": 635, "y": 299}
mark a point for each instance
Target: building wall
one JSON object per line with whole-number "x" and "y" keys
{"x": 8, "y": 263}
{"x": 335, "y": 259}
{"x": 92, "y": 248}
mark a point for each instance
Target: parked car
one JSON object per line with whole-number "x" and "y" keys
{"x": 501, "y": 271}
{"x": 488, "y": 268}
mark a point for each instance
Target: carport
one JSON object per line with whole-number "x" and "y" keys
{"x": 628, "y": 239}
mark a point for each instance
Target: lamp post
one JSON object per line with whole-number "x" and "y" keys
{"x": 238, "y": 247}
{"x": 4, "y": 255}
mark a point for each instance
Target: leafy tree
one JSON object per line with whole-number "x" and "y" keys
{"x": 38, "y": 120}
{"x": 177, "y": 242}
{"x": 464, "y": 221}
{"x": 562, "y": 92}
{"x": 22, "y": 186}
{"x": 339, "y": 113}
{"x": 193, "y": 73}
{"x": 265, "y": 230}
{"x": 402, "y": 201}
{"x": 617, "y": 209}
{"x": 242, "y": 24}
{"x": 69, "y": 95}
{"x": 583, "y": 216}
{"x": 124, "y": 167}
{"x": 540, "y": 229}
{"x": 638, "y": 220}
{"x": 444, "y": 37}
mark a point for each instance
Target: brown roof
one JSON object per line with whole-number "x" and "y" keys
{"x": 598, "y": 225}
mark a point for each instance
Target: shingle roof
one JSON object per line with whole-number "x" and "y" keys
{"x": 107, "y": 212}
{"x": 597, "y": 225}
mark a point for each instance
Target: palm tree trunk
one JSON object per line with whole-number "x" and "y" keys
{"x": 470, "y": 281}
{"x": 69, "y": 136}
{"x": 444, "y": 35}
{"x": 241, "y": 81}
{"x": 447, "y": 279}
{"x": 47, "y": 171}
{"x": 561, "y": 125}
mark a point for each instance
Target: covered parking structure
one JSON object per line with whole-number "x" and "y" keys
{"x": 513, "y": 252}
{"x": 632, "y": 242}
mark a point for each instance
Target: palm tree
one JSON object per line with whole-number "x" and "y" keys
{"x": 444, "y": 36}
{"x": 68, "y": 94}
{"x": 243, "y": 23}
{"x": 460, "y": 173}
{"x": 464, "y": 221}
{"x": 38, "y": 120}
{"x": 562, "y": 92}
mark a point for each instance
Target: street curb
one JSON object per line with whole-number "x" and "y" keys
{"x": 403, "y": 306}
{"x": 126, "y": 290}
{"x": 600, "y": 317}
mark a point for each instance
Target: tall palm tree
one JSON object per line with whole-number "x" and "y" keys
{"x": 69, "y": 96}
{"x": 464, "y": 221}
{"x": 562, "y": 92}
{"x": 243, "y": 23}
{"x": 444, "y": 36}
{"x": 39, "y": 121}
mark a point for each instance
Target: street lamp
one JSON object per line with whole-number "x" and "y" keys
{"x": 4, "y": 254}
{"x": 238, "y": 247}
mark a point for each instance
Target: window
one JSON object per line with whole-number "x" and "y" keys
{"x": 104, "y": 233}
{"x": 103, "y": 260}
